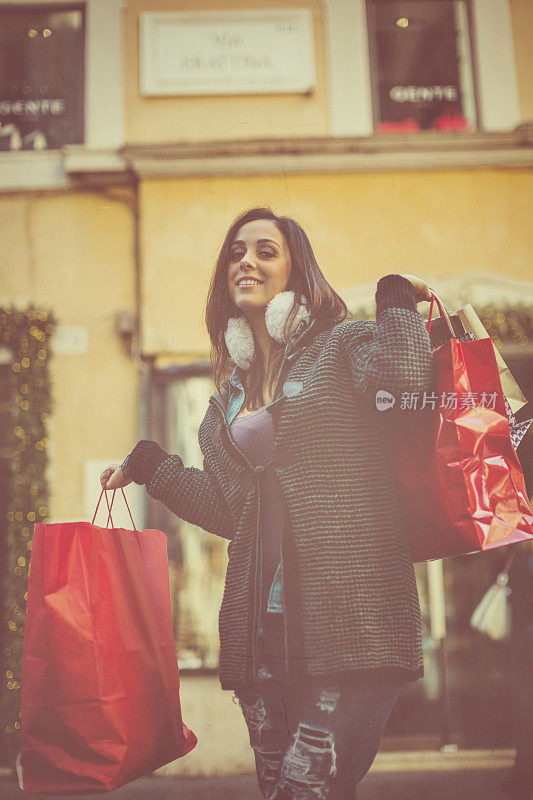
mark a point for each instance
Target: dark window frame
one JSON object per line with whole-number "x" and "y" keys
{"x": 373, "y": 63}
{"x": 46, "y": 8}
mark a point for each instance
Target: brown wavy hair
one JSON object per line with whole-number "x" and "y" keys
{"x": 306, "y": 279}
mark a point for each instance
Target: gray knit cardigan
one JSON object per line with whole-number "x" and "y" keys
{"x": 351, "y": 600}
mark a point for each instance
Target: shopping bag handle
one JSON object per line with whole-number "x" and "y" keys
{"x": 444, "y": 314}
{"x": 111, "y": 506}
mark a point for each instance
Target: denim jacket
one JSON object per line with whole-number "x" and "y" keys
{"x": 235, "y": 403}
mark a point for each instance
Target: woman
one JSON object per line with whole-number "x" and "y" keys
{"x": 320, "y": 621}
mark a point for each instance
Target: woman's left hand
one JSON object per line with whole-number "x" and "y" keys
{"x": 422, "y": 290}
{"x": 114, "y": 478}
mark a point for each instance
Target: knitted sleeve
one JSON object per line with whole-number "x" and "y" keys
{"x": 393, "y": 353}
{"x": 192, "y": 494}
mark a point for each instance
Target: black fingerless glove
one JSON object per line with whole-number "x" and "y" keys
{"x": 394, "y": 291}
{"x": 141, "y": 464}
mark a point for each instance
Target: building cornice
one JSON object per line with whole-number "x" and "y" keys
{"x": 77, "y": 166}
{"x": 428, "y": 150}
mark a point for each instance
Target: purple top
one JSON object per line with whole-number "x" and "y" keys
{"x": 254, "y": 434}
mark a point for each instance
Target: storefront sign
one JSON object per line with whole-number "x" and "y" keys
{"x": 413, "y": 94}
{"x": 227, "y": 52}
{"x": 42, "y": 86}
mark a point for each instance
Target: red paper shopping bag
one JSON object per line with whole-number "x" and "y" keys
{"x": 460, "y": 483}
{"x": 100, "y": 680}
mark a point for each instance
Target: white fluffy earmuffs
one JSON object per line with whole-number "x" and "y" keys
{"x": 240, "y": 339}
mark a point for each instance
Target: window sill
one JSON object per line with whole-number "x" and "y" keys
{"x": 77, "y": 166}
{"x": 411, "y": 151}
{"x": 70, "y": 167}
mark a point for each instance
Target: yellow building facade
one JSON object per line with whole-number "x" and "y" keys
{"x": 118, "y": 231}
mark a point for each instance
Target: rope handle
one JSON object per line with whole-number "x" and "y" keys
{"x": 444, "y": 314}
{"x": 111, "y": 506}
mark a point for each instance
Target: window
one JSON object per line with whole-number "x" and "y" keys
{"x": 41, "y": 77}
{"x": 421, "y": 66}
{"x": 197, "y": 560}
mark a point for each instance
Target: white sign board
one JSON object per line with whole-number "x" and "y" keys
{"x": 227, "y": 52}
{"x": 70, "y": 340}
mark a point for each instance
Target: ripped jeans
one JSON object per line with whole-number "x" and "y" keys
{"x": 313, "y": 741}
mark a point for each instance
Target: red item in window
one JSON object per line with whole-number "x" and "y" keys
{"x": 405, "y": 125}
{"x": 461, "y": 485}
{"x": 100, "y": 678}
{"x": 451, "y": 122}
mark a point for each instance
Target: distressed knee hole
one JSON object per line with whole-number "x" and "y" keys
{"x": 310, "y": 761}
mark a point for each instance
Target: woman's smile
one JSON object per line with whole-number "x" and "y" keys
{"x": 258, "y": 257}
{"x": 244, "y": 283}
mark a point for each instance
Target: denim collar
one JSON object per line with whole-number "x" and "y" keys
{"x": 236, "y": 395}
{"x": 235, "y": 378}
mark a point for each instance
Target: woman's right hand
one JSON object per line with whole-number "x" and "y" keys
{"x": 114, "y": 478}
{"x": 422, "y": 290}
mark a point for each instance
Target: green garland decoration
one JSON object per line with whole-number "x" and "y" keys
{"x": 505, "y": 324}
{"x": 27, "y": 334}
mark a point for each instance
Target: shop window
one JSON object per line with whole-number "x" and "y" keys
{"x": 197, "y": 560}
{"x": 421, "y": 65}
{"x": 41, "y": 77}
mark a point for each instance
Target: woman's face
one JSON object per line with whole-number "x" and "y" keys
{"x": 259, "y": 266}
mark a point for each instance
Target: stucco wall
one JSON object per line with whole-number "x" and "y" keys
{"x": 73, "y": 253}
{"x": 362, "y": 226}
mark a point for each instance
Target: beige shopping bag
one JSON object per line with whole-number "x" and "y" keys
{"x": 471, "y": 322}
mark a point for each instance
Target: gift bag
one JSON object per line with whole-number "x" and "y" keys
{"x": 100, "y": 680}
{"x": 468, "y": 326}
{"x": 460, "y": 483}
{"x": 466, "y": 321}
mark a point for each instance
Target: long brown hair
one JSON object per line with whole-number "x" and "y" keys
{"x": 306, "y": 279}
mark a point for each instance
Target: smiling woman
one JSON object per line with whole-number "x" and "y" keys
{"x": 259, "y": 268}
{"x": 320, "y": 620}
{"x": 259, "y": 256}
{"x": 276, "y": 252}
